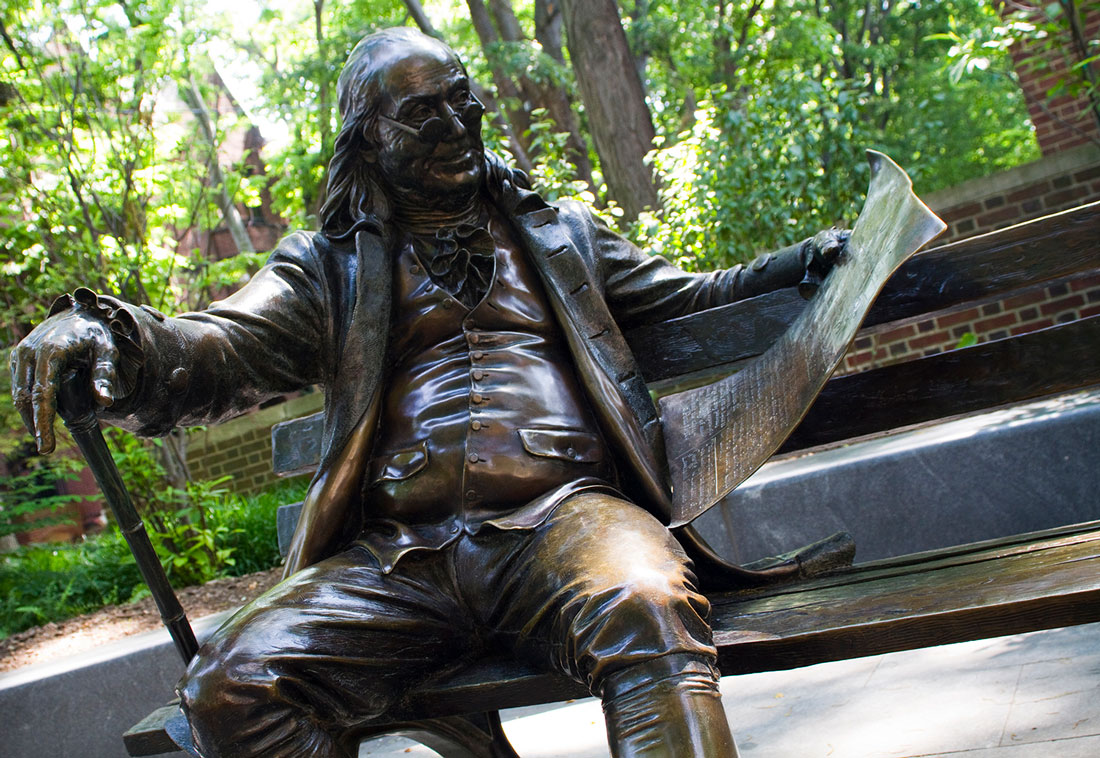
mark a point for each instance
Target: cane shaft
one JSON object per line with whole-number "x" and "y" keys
{"x": 79, "y": 416}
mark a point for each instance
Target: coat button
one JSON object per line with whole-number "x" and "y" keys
{"x": 414, "y": 269}
{"x": 475, "y": 425}
{"x": 473, "y": 458}
{"x": 447, "y": 305}
{"x": 762, "y": 262}
{"x": 178, "y": 380}
{"x": 477, "y": 398}
{"x": 479, "y": 375}
{"x": 571, "y": 452}
{"x": 471, "y": 495}
{"x": 475, "y": 338}
{"x": 478, "y": 355}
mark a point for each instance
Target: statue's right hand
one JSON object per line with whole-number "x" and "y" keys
{"x": 38, "y": 363}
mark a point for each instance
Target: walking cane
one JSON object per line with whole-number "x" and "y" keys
{"x": 77, "y": 409}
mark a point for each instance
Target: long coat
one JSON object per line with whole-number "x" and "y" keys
{"x": 319, "y": 313}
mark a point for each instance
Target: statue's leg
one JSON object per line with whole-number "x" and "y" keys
{"x": 603, "y": 592}
{"x": 331, "y": 647}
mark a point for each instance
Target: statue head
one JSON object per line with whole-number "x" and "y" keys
{"x": 411, "y": 131}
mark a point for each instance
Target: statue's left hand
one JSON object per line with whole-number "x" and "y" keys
{"x": 819, "y": 254}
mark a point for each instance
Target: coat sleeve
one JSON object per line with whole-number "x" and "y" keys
{"x": 266, "y": 339}
{"x": 642, "y": 289}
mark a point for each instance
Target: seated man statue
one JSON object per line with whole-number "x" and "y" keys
{"x": 492, "y": 473}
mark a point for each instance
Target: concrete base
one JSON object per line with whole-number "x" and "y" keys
{"x": 81, "y": 705}
{"x": 1016, "y": 470}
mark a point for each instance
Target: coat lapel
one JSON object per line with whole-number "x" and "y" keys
{"x": 330, "y": 514}
{"x": 604, "y": 361}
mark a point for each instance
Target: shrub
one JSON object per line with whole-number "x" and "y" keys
{"x": 236, "y": 535}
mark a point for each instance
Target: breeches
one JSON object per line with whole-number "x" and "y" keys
{"x": 600, "y": 586}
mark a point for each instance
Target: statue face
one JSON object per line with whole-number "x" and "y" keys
{"x": 429, "y": 130}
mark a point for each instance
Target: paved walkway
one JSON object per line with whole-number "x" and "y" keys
{"x": 1028, "y": 696}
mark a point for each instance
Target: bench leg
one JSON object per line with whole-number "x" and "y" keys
{"x": 474, "y": 736}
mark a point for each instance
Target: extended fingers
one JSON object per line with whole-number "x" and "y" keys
{"x": 832, "y": 242}
{"x": 47, "y": 373}
{"x": 22, "y": 379}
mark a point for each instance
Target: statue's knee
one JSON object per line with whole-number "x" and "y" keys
{"x": 656, "y": 598}
{"x": 637, "y": 621}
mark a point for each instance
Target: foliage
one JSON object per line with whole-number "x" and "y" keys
{"x": 249, "y": 526}
{"x": 102, "y": 169}
{"x": 744, "y": 179}
{"x": 29, "y": 500}
{"x": 190, "y": 539}
{"x": 296, "y": 51}
{"x": 978, "y": 55}
{"x": 555, "y": 176}
{"x": 784, "y": 99}
{"x": 202, "y": 530}
{"x": 50, "y": 583}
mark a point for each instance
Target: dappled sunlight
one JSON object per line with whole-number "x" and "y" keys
{"x": 51, "y": 648}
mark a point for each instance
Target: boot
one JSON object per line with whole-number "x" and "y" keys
{"x": 668, "y": 707}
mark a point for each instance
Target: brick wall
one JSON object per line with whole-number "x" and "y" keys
{"x": 1026, "y": 310}
{"x": 1054, "y": 183}
{"x": 241, "y": 447}
{"x": 1062, "y": 122}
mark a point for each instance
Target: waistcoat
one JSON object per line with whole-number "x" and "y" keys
{"x": 483, "y": 420}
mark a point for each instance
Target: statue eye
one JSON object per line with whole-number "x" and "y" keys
{"x": 419, "y": 114}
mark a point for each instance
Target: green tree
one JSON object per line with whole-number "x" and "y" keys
{"x": 763, "y": 112}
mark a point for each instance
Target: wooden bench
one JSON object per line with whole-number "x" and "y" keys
{"x": 1006, "y": 586}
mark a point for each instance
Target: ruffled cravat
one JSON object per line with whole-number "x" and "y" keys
{"x": 461, "y": 261}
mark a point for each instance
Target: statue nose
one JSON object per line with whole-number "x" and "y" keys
{"x": 456, "y": 129}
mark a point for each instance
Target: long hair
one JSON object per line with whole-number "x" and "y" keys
{"x": 354, "y": 200}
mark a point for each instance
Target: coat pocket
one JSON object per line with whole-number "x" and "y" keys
{"x": 564, "y": 444}
{"x": 400, "y": 465}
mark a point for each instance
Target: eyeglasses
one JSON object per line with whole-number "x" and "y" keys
{"x": 434, "y": 129}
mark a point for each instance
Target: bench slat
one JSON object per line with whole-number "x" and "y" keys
{"x": 1007, "y": 586}
{"x": 1045, "y": 362}
{"x": 993, "y": 592}
{"x": 989, "y": 265}
{"x": 982, "y": 267}
{"x": 147, "y": 737}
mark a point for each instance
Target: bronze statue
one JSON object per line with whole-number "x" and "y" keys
{"x": 492, "y": 471}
